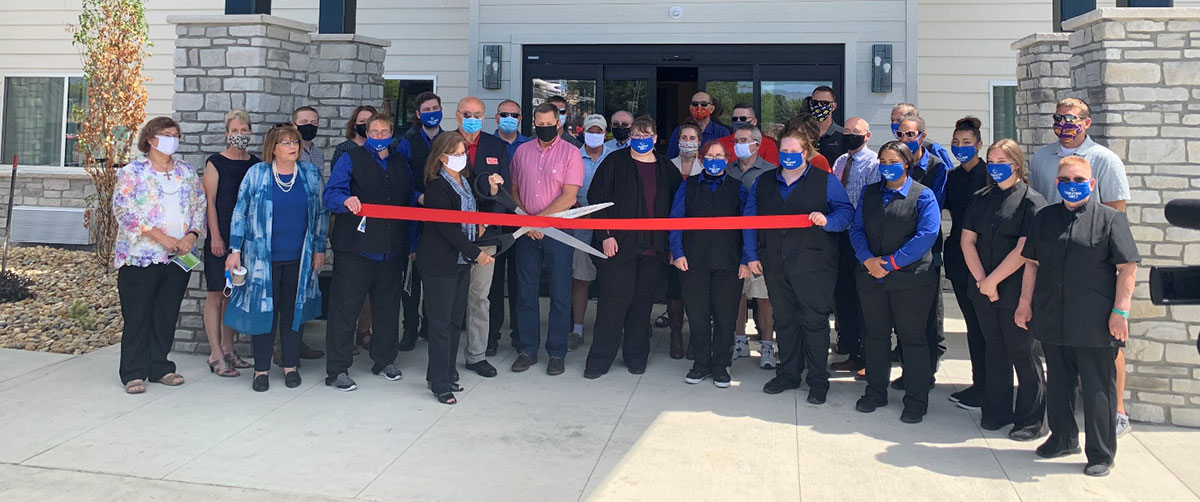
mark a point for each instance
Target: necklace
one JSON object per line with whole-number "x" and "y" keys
{"x": 168, "y": 185}
{"x": 160, "y": 170}
{"x": 286, "y": 187}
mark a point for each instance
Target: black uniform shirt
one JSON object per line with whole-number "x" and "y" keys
{"x": 1078, "y": 252}
{"x": 961, "y": 186}
{"x": 1000, "y": 218}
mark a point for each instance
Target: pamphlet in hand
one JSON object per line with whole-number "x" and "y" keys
{"x": 186, "y": 261}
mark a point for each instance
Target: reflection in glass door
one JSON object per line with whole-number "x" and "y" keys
{"x": 580, "y": 95}
{"x": 782, "y": 100}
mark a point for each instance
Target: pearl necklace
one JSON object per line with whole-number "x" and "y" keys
{"x": 285, "y": 187}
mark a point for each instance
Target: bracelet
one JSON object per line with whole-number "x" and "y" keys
{"x": 1122, "y": 313}
{"x": 193, "y": 232}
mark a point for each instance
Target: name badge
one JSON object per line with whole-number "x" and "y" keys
{"x": 492, "y": 161}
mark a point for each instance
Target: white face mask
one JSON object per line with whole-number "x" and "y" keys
{"x": 457, "y": 162}
{"x": 593, "y": 140}
{"x": 742, "y": 150}
{"x": 167, "y": 144}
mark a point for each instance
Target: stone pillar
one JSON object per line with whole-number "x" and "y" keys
{"x": 258, "y": 63}
{"x": 346, "y": 71}
{"x": 1139, "y": 69}
{"x": 1043, "y": 77}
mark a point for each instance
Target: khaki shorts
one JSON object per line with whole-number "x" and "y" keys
{"x": 582, "y": 267}
{"x": 754, "y": 287}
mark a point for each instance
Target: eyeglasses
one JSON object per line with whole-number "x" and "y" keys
{"x": 701, "y": 103}
{"x": 562, "y": 111}
{"x": 740, "y": 119}
{"x": 714, "y": 157}
{"x": 1065, "y": 118}
{"x": 745, "y": 141}
{"x": 510, "y": 115}
{"x": 477, "y": 115}
{"x": 290, "y": 142}
{"x": 1077, "y": 179}
{"x": 818, "y": 102}
{"x": 622, "y": 124}
{"x": 641, "y": 135}
{"x": 908, "y": 134}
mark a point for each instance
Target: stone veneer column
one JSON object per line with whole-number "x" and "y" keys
{"x": 1139, "y": 69}
{"x": 258, "y": 63}
{"x": 1043, "y": 77}
{"x": 346, "y": 71}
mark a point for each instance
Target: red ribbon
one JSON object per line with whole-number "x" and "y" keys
{"x": 514, "y": 220}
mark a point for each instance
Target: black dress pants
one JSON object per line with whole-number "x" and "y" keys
{"x": 976, "y": 343}
{"x": 285, "y": 280}
{"x": 150, "y": 298}
{"x": 710, "y": 298}
{"x": 354, "y": 276}
{"x": 624, "y": 299}
{"x": 414, "y": 315}
{"x": 1094, "y": 369}
{"x": 446, "y": 313}
{"x": 846, "y": 305}
{"x": 802, "y": 302}
{"x": 504, "y": 281}
{"x": 906, "y": 312}
{"x": 1010, "y": 347}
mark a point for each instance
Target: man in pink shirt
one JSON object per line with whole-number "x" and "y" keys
{"x": 546, "y": 174}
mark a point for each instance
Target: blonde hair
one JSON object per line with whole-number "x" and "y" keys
{"x": 1075, "y": 160}
{"x": 1085, "y": 112}
{"x": 1015, "y": 156}
{"x": 237, "y": 115}
{"x": 278, "y": 133}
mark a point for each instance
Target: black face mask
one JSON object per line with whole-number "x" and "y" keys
{"x": 546, "y": 133}
{"x": 621, "y": 134}
{"x": 361, "y": 129}
{"x": 307, "y": 131}
{"x": 853, "y": 141}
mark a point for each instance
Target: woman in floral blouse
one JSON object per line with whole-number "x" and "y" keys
{"x": 160, "y": 210}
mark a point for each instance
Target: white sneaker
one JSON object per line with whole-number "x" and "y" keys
{"x": 741, "y": 347}
{"x": 766, "y": 356}
{"x": 1123, "y": 426}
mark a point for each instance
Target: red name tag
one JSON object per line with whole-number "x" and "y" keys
{"x": 492, "y": 161}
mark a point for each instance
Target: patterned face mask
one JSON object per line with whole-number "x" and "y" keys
{"x": 239, "y": 141}
{"x": 821, "y": 112}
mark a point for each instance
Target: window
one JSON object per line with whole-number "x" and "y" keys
{"x": 782, "y": 100}
{"x": 580, "y": 94}
{"x": 398, "y": 94}
{"x": 1004, "y": 110}
{"x": 630, "y": 95}
{"x": 39, "y": 122}
{"x": 729, "y": 93}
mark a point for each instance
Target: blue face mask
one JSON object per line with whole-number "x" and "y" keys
{"x": 714, "y": 167}
{"x": 891, "y": 172}
{"x": 791, "y": 160}
{"x": 642, "y": 145}
{"x": 913, "y": 146}
{"x": 1000, "y": 172}
{"x": 377, "y": 145}
{"x": 895, "y": 127}
{"x": 963, "y": 153}
{"x": 431, "y": 119}
{"x": 472, "y": 125}
{"x": 1074, "y": 192}
{"x": 509, "y": 124}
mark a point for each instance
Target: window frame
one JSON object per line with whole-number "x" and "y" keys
{"x": 411, "y": 78}
{"x": 992, "y": 85}
{"x": 65, "y": 77}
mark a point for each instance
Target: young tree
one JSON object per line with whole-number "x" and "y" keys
{"x": 112, "y": 38}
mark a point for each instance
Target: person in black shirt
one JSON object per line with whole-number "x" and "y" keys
{"x": 821, "y": 105}
{"x": 993, "y": 237}
{"x": 894, "y": 228}
{"x": 961, "y": 184}
{"x": 1077, "y": 291}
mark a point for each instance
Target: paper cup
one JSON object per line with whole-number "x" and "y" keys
{"x": 238, "y": 276}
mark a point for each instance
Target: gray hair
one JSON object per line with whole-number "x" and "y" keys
{"x": 917, "y": 119}
{"x": 755, "y": 132}
{"x": 237, "y": 115}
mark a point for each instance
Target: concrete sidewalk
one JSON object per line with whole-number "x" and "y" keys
{"x": 70, "y": 433}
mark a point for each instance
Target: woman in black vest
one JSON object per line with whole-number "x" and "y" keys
{"x": 641, "y": 184}
{"x": 372, "y": 252}
{"x": 444, "y": 257}
{"x": 997, "y": 221}
{"x": 799, "y": 264}
{"x": 711, "y": 263}
{"x": 895, "y": 226}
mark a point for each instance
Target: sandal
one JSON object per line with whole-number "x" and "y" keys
{"x": 454, "y": 386}
{"x": 236, "y": 361}
{"x": 136, "y": 386}
{"x": 222, "y": 368}
{"x": 663, "y": 320}
{"x": 447, "y": 398}
{"x": 171, "y": 380}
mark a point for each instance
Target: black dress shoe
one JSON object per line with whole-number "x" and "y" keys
{"x": 408, "y": 342}
{"x": 1052, "y": 449}
{"x": 868, "y": 404}
{"x": 556, "y": 366}
{"x": 779, "y": 384}
{"x": 992, "y": 425}
{"x": 523, "y": 362}
{"x": 493, "y": 348}
{"x": 261, "y": 383}
{"x": 291, "y": 380}
{"x": 898, "y": 383}
{"x": 912, "y": 415}
{"x": 483, "y": 368}
{"x": 592, "y": 375}
{"x": 817, "y": 396}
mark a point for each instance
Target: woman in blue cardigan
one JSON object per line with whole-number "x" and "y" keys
{"x": 279, "y": 225}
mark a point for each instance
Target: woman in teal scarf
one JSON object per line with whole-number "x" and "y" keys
{"x": 282, "y": 252}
